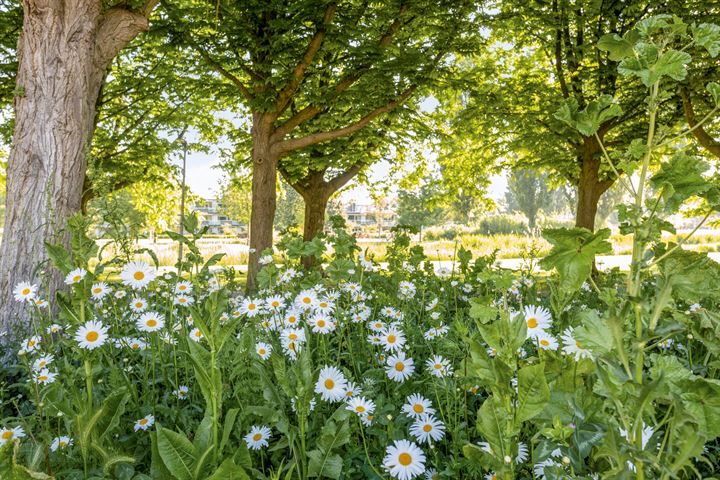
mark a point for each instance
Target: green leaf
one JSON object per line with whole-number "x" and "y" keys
{"x": 573, "y": 253}
{"x": 533, "y": 392}
{"x": 230, "y": 418}
{"x": 323, "y": 462}
{"x": 594, "y": 332}
{"x": 714, "y": 89}
{"x": 617, "y": 47}
{"x": 492, "y": 422}
{"x": 692, "y": 275}
{"x": 589, "y": 120}
{"x": 671, "y": 63}
{"x": 158, "y": 470}
{"x": 228, "y": 470}
{"x": 59, "y": 257}
{"x": 680, "y": 178}
{"x": 707, "y": 35}
{"x": 177, "y": 453}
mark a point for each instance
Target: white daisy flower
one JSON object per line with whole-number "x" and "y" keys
{"x": 522, "y": 454}
{"x": 196, "y": 335}
{"x": 537, "y": 319}
{"x": 571, "y": 346}
{"x": 183, "y": 287}
{"x": 331, "y": 384}
{"x": 399, "y": 368}
{"x": 352, "y": 390}
{"x": 432, "y": 474}
{"x": 99, "y": 290}
{"x": 54, "y": 328}
{"x": 91, "y": 335}
{"x": 427, "y": 429}
{"x": 258, "y": 437}
{"x": 184, "y": 300}
{"x": 138, "y": 305}
{"x": 41, "y": 303}
{"x": 416, "y": 406}
{"x": 120, "y": 294}
{"x": 263, "y": 350}
{"x": 321, "y": 325}
{"x": 546, "y": 341}
{"x": 250, "y": 307}
{"x": 42, "y": 362}
{"x": 293, "y": 335}
{"x": 150, "y": 322}
{"x": 324, "y": 306}
{"x": 31, "y": 344}
{"x": 144, "y": 423}
{"x": 393, "y": 339}
{"x": 10, "y": 434}
{"x": 646, "y": 433}
{"x": 44, "y": 376}
{"x": 439, "y": 366}
{"x": 60, "y": 443}
{"x": 275, "y": 303}
{"x": 182, "y": 392}
{"x": 361, "y": 405}
{"x": 25, "y": 291}
{"x": 404, "y": 460}
{"x": 306, "y": 299}
{"x": 137, "y": 274}
{"x": 75, "y": 276}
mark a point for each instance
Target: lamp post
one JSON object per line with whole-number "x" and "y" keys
{"x": 182, "y": 199}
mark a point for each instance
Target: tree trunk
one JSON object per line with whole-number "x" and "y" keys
{"x": 590, "y": 186}
{"x": 63, "y": 53}
{"x": 264, "y": 184}
{"x": 315, "y": 205}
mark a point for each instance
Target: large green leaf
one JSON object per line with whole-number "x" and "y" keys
{"x": 177, "y": 453}
{"x": 679, "y": 179}
{"x": 588, "y": 120}
{"x": 323, "y": 461}
{"x": 533, "y": 392}
{"x": 594, "y": 332}
{"x": 228, "y": 470}
{"x": 707, "y": 35}
{"x": 573, "y": 253}
{"x": 492, "y": 424}
{"x": 618, "y": 48}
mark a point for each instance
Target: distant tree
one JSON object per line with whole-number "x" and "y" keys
{"x": 159, "y": 203}
{"x": 235, "y": 197}
{"x": 608, "y": 203}
{"x": 529, "y": 194}
{"x": 290, "y": 208}
{"x": 416, "y": 208}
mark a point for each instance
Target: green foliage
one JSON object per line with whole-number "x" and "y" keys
{"x": 573, "y": 254}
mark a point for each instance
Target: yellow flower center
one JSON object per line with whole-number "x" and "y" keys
{"x": 418, "y": 408}
{"x": 323, "y": 304}
{"x": 25, "y": 291}
{"x": 275, "y": 303}
{"x": 152, "y": 322}
{"x": 293, "y": 336}
{"x": 261, "y": 351}
{"x": 532, "y": 322}
{"x": 329, "y": 384}
{"x": 77, "y": 278}
{"x": 182, "y": 288}
{"x": 399, "y": 366}
{"x": 92, "y": 336}
{"x": 198, "y": 334}
{"x": 138, "y": 305}
{"x": 31, "y": 343}
{"x": 43, "y": 378}
{"x": 251, "y": 306}
{"x": 62, "y": 443}
{"x": 544, "y": 343}
{"x": 438, "y": 366}
{"x": 97, "y": 290}
{"x": 307, "y": 300}
{"x": 360, "y": 408}
{"x": 291, "y": 346}
{"x": 257, "y": 437}
{"x": 321, "y": 323}
{"x": 143, "y": 421}
{"x": 391, "y": 338}
{"x": 7, "y": 435}
{"x": 578, "y": 344}
{"x": 138, "y": 275}
{"x": 405, "y": 459}
{"x": 427, "y": 427}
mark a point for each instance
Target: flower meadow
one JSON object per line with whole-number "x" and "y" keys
{"x": 346, "y": 370}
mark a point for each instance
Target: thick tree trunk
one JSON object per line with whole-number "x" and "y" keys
{"x": 264, "y": 184}
{"x": 315, "y": 205}
{"x": 63, "y": 52}
{"x": 590, "y": 186}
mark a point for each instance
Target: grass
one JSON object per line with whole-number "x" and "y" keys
{"x": 506, "y": 245}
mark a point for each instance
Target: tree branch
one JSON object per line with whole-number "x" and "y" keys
{"x": 286, "y": 146}
{"x": 225, "y": 73}
{"x": 283, "y": 98}
{"x": 309, "y": 112}
{"x": 117, "y": 27}
{"x": 337, "y": 182}
{"x": 698, "y": 131}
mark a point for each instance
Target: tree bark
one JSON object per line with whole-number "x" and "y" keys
{"x": 63, "y": 53}
{"x": 590, "y": 186}
{"x": 264, "y": 184}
